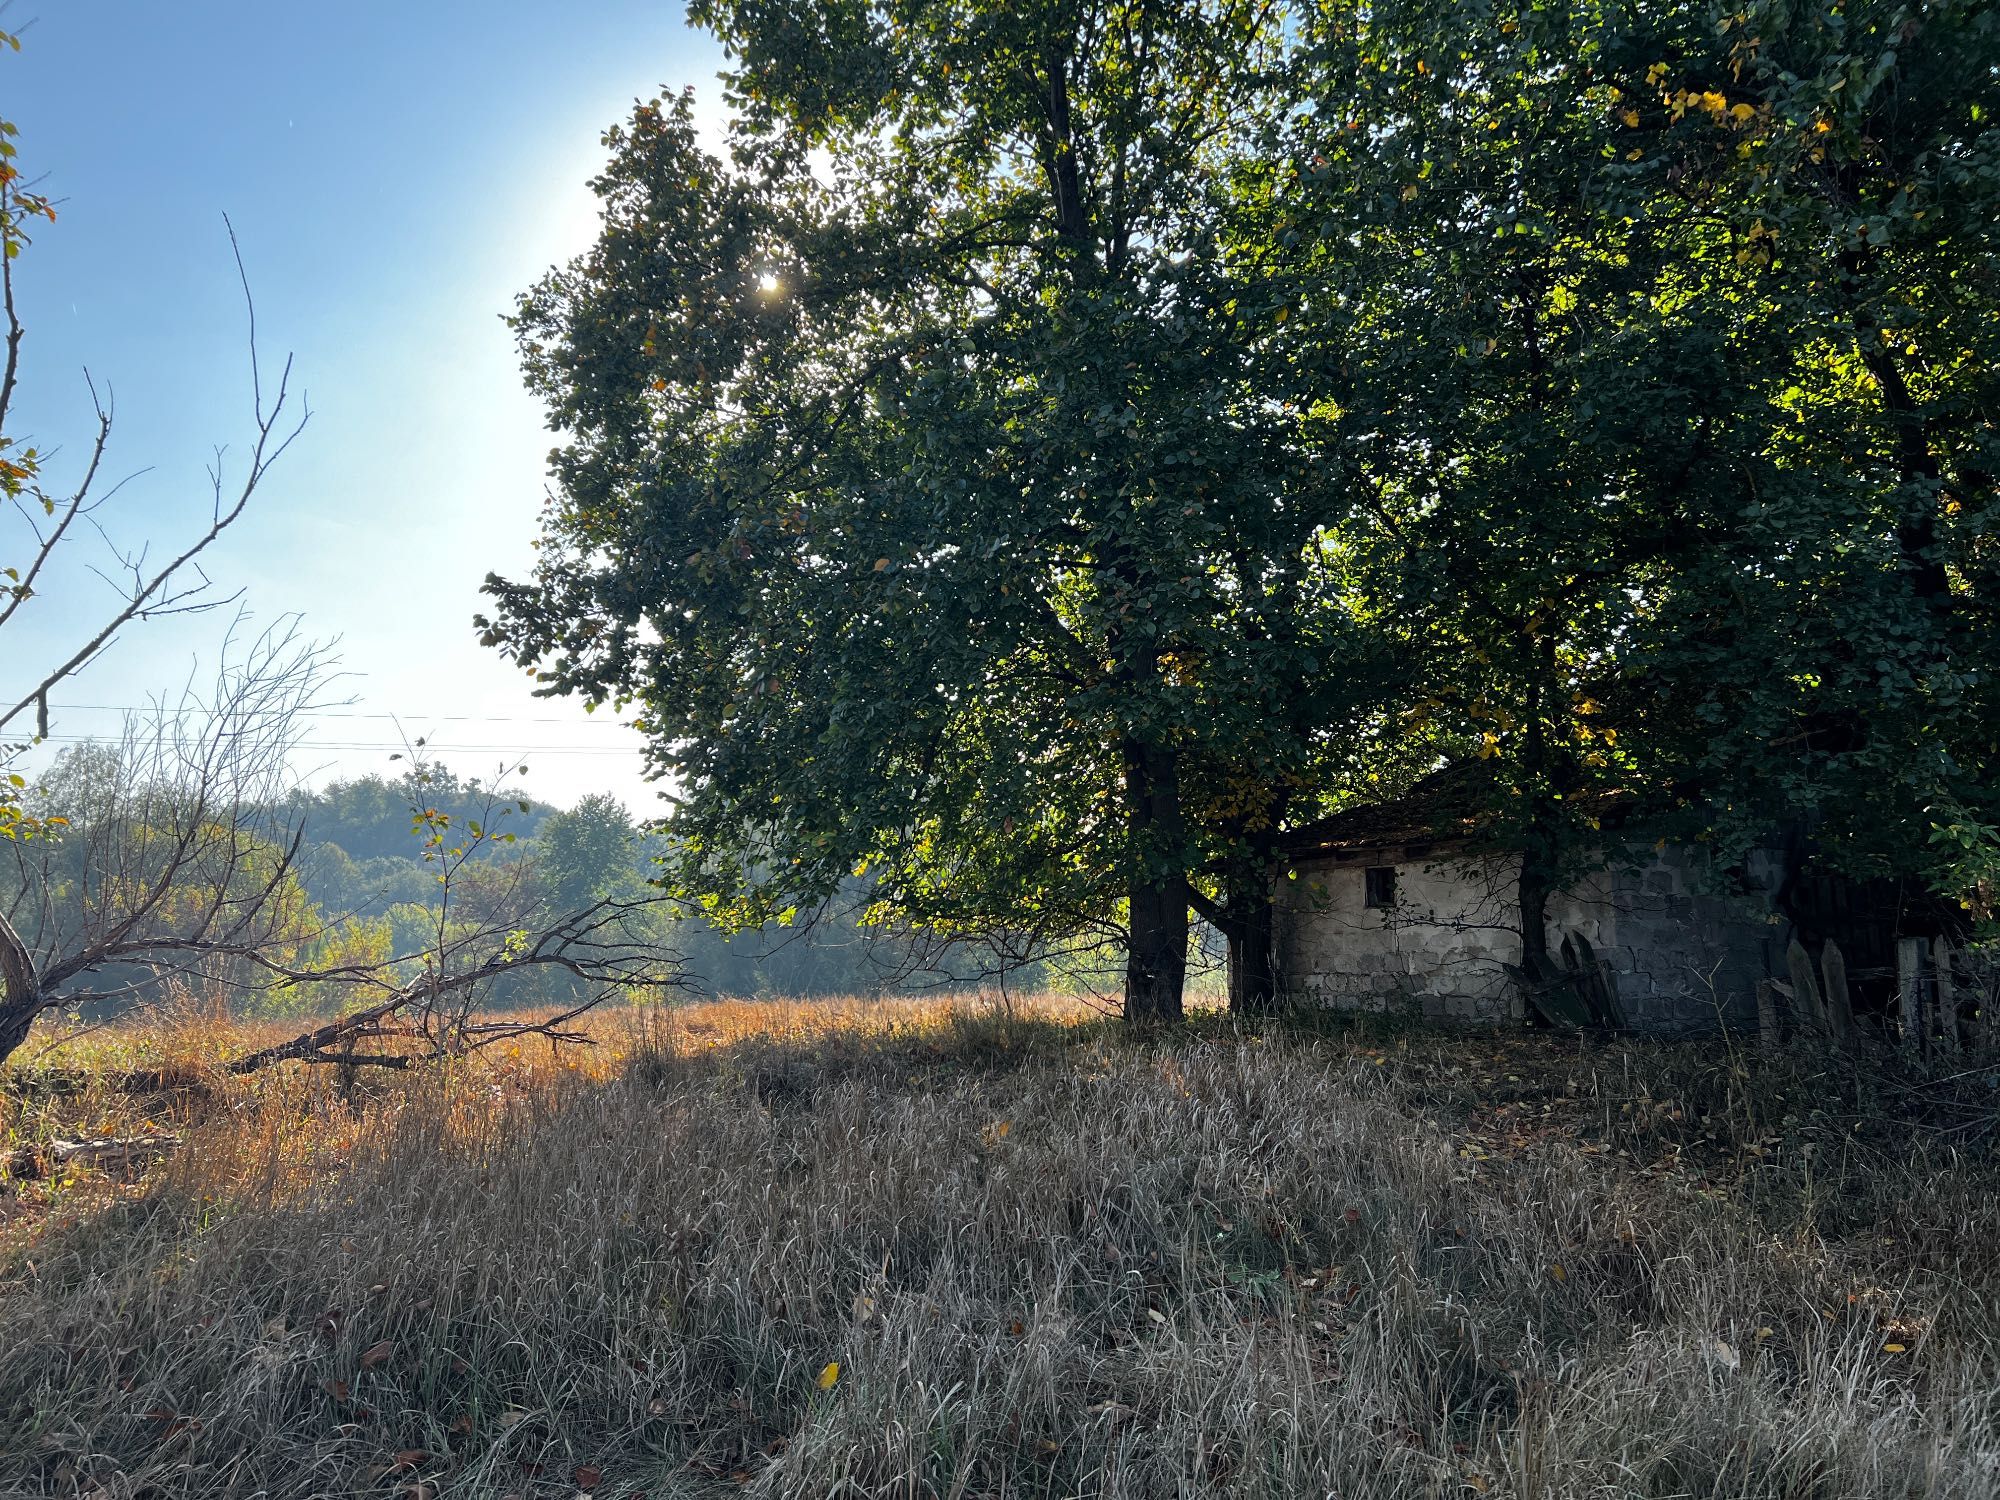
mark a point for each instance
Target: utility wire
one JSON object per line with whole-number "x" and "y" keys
{"x": 391, "y": 745}
{"x": 326, "y": 713}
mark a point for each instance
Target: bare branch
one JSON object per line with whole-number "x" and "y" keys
{"x": 153, "y": 593}
{"x": 169, "y": 848}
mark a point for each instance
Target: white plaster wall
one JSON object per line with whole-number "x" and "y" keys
{"x": 1679, "y": 958}
{"x": 1440, "y": 949}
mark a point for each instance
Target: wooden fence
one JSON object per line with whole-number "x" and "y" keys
{"x": 1946, "y": 999}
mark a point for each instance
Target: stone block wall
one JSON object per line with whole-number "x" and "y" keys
{"x": 1681, "y": 958}
{"x": 1684, "y": 956}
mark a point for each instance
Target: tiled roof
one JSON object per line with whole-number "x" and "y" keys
{"x": 1453, "y": 805}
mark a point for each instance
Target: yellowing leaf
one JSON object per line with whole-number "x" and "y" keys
{"x": 829, "y": 1376}
{"x": 1558, "y": 1273}
{"x": 1631, "y": 118}
{"x": 1894, "y": 1348}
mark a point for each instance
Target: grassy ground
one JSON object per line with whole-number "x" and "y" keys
{"x": 922, "y": 1249}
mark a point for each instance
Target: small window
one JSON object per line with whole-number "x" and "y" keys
{"x": 1379, "y": 886}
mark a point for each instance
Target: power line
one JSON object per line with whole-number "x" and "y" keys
{"x": 325, "y": 713}
{"x": 391, "y": 745}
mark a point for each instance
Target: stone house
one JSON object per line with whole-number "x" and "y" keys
{"x": 1397, "y": 907}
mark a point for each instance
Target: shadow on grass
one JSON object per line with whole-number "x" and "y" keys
{"x": 787, "y": 1071}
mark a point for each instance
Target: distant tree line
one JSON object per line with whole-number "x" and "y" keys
{"x": 360, "y": 864}
{"x": 584, "y": 853}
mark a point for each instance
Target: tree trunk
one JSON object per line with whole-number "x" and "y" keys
{"x": 1534, "y": 890}
{"x": 20, "y": 990}
{"x": 1156, "y": 958}
{"x": 1541, "y": 849}
{"x": 1922, "y": 475}
{"x": 1252, "y": 935}
{"x": 1537, "y": 884}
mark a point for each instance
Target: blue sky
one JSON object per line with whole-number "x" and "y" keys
{"x": 396, "y": 174}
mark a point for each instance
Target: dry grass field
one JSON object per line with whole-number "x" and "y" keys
{"x": 940, "y": 1249}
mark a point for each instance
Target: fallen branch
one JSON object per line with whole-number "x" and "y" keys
{"x": 431, "y": 1012}
{"x": 31, "y": 1162}
{"x": 26, "y": 1083}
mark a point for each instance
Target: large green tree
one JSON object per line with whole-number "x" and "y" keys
{"x": 588, "y": 852}
{"x": 1655, "y": 506}
{"x": 922, "y": 483}
{"x": 1853, "y": 695}
{"x": 1529, "y": 375}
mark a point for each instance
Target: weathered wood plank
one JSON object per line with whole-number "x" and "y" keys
{"x": 1806, "y": 1002}
{"x": 1839, "y": 1001}
{"x": 1910, "y": 991}
{"x": 1986, "y": 991}
{"x": 1947, "y": 994}
{"x": 1770, "y": 1022}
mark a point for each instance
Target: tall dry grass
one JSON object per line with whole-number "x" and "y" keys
{"x": 914, "y": 1250}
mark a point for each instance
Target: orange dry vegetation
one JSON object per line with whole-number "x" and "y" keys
{"x": 943, "y": 1248}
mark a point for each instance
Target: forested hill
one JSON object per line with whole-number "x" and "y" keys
{"x": 369, "y": 818}
{"x": 362, "y": 855}
{"x": 363, "y": 851}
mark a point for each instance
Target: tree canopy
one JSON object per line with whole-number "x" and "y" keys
{"x": 1056, "y": 447}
